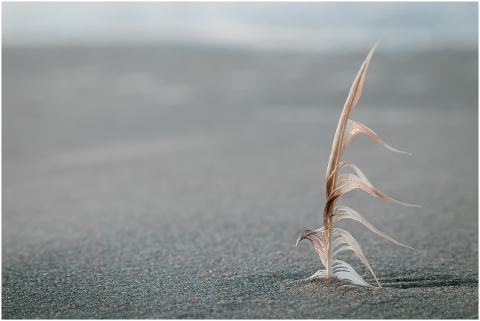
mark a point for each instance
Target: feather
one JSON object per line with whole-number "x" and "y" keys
{"x": 338, "y": 241}
{"x": 343, "y": 248}
{"x": 344, "y": 271}
{"x": 348, "y": 238}
{"x": 347, "y": 212}
{"x": 317, "y": 275}
{"x": 348, "y": 185}
{"x": 327, "y": 239}
{"x": 320, "y": 251}
{"x": 352, "y": 99}
{"x": 354, "y": 128}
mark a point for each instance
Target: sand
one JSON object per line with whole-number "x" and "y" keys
{"x": 161, "y": 183}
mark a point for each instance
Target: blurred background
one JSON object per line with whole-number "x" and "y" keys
{"x": 124, "y": 121}
{"x": 107, "y": 71}
{"x": 297, "y": 27}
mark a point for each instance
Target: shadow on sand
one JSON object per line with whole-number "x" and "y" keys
{"x": 428, "y": 281}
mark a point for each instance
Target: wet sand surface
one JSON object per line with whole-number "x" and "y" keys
{"x": 173, "y": 183}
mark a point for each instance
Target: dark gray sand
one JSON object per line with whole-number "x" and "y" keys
{"x": 161, "y": 183}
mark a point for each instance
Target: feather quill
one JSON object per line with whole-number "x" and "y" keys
{"x": 326, "y": 239}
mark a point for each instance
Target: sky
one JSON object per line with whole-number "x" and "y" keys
{"x": 282, "y": 26}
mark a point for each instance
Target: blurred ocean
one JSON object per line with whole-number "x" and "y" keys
{"x": 304, "y": 27}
